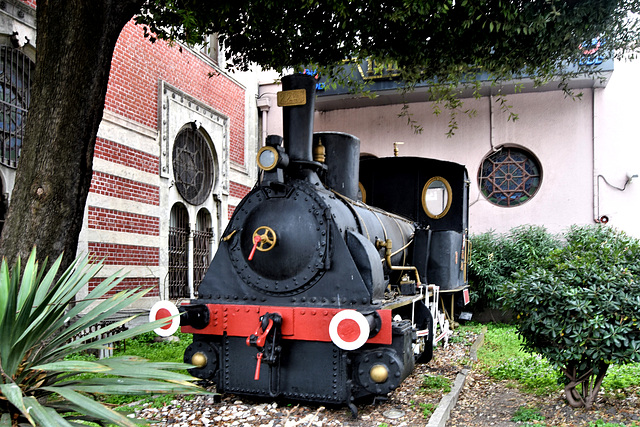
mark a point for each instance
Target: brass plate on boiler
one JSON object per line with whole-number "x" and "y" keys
{"x": 290, "y": 98}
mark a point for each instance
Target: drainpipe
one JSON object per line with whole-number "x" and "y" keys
{"x": 491, "y": 123}
{"x": 594, "y": 140}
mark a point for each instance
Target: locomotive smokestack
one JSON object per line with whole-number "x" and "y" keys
{"x": 298, "y": 100}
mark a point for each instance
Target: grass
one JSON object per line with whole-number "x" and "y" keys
{"x": 163, "y": 351}
{"x": 526, "y": 414}
{"x": 502, "y": 358}
{"x": 145, "y": 346}
{"x": 431, "y": 383}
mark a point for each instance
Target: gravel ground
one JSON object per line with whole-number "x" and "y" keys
{"x": 483, "y": 402}
{"x": 409, "y": 405}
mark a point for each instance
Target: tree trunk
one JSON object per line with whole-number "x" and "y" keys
{"x": 589, "y": 382}
{"x": 75, "y": 44}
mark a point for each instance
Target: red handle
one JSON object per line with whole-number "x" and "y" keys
{"x": 256, "y": 241}
{"x": 256, "y": 376}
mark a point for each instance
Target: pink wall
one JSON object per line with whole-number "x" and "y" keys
{"x": 557, "y": 129}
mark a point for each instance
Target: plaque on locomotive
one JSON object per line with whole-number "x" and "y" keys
{"x": 291, "y": 98}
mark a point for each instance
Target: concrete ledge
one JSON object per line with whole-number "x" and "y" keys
{"x": 441, "y": 415}
{"x": 473, "y": 352}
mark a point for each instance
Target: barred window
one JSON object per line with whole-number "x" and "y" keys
{"x": 15, "y": 81}
{"x": 509, "y": 177}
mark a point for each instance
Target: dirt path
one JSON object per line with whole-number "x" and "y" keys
{"x": 487, "y": 402}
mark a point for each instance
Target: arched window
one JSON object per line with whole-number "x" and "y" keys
{"x": 179, "y": 252}
{"x": 509, "y": 177}
{"x": 201, "y": 247}
{"x": 193, "y": 167}
{"x": 15, "y": 82}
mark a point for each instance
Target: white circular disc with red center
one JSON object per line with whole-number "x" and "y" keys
{"x": 161, "y": 310}
{"x": 349, "y": 329}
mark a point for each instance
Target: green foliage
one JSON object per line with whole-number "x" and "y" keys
{"x": 532, "y": 371}
{"x": 503, "y": 358}
{"x": 621, "y": 377}
{"x": 526, "y": 414}
{"x": 157, "y": 351}
{"x": 39, "y": 379}
{"x": 495, "y": 257}
{"x": 427, "y": 409}
{"x": 420, "y": 40}
{"x": 601, "y": 423}
{"x": 432, "y": 383}
{"x": 578, "y": 307}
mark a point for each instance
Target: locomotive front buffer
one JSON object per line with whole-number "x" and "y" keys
{"x": 296, "y": 337}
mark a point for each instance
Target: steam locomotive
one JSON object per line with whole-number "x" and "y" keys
{"x": 314, "y": 295}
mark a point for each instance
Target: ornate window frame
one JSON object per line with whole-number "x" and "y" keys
{"x": 510, "y": 176}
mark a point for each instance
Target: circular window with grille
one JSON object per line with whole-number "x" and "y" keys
{"x": 192, "y": 166}
{"x": 509, "y": 177}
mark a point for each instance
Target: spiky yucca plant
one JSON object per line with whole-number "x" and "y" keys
{"x": 37, "y": 331}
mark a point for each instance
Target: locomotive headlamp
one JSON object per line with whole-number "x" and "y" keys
{"x": 199, "y": 359}
{"x": 268, "y": 158}
{"x": 379, "y": 373}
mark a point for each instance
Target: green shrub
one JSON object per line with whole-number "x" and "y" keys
{"x": 579, "y": 307}
{"x": 495, "y": 257}
{"x": 40, "y": 381}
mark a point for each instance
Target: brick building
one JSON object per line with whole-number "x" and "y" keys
{"x": 174, "y": 154}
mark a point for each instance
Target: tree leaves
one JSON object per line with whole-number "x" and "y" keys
{"x": 445, "y": 40}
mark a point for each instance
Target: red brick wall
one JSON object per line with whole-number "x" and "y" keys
{"x": 126, "y": 156}
{"x": 131, "y": 283}
{"x": 123, "y": 188}
{"x": 238, "y": 190}
{"x": 139, "y": 65}
{"x": 126, "y": 222}
{"x": 116, "y": 254}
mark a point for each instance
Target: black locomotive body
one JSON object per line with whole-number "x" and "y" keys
{"x": 312, "y": 294}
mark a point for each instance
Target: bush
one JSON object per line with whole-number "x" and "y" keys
{"x": 580, "y": 307}
{"x": 40, "y": 381}
{"x": 495, "y": 257}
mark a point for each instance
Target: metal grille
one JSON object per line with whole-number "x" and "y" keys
{"x": 192, "y": 166}
{"x": 201, "y": 255}
{"x": 509, "y": 177}
{"x": 179, "y": 252}
{"x": 201, "y": 247}
{"x": 15, "y": 82}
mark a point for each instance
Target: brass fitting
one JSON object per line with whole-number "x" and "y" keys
{"x": 319, "y": 152}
